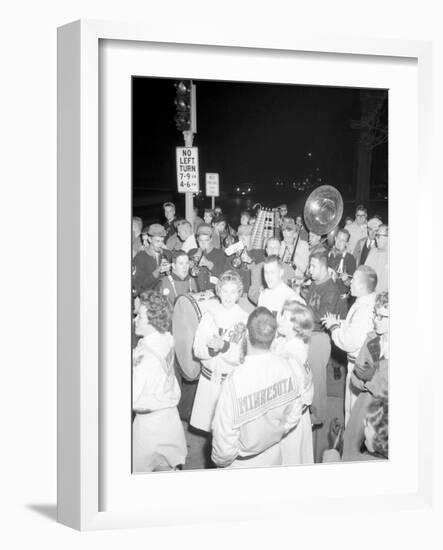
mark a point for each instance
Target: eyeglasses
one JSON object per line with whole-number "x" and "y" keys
{"x": 381, "y": 235}
{"x": 380, "y": 317}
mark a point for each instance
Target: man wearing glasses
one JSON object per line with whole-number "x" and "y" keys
{"x": 378, "y": 258}
{"x": 358, "y": 229}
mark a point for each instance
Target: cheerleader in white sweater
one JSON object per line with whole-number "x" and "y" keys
{"x": 295, "y": 328}
{"x": 158, "y": 441}
{"x": 218, "y": 344}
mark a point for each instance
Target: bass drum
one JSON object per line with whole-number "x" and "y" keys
{"x": 188, "y": 311}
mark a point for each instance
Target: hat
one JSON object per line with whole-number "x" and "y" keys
{"x": 204, "y": 229}
{"x": 374, "y": 223}
{"x": 244, "y": 230}
{"x": 289, "y": 223}
{"x": 156, "y": 230}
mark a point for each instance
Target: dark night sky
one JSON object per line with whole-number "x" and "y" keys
{"x": 248, "y": 133}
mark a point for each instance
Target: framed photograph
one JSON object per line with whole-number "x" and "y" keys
{"x": 155, "y": 132}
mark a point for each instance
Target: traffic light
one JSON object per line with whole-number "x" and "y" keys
{"x": 185, "y": 106}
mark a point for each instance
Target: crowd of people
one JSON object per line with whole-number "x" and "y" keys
{"x": 272, "y": 318}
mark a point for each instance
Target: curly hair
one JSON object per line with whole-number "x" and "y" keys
{"x": 158, "y": 310}
{"x": 301, "y": 317}
{"x": 378, "y": 417}
{"x": 229, "y": 276}
{"x": 382, "y": 300}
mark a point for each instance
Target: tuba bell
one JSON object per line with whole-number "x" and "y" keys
{"x": 323, "y": 210}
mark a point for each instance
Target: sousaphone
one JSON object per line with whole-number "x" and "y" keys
{"x": 323, "y": 210}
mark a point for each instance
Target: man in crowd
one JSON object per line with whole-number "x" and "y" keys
{"x": 209, "y": 259}
{"x": 370, "y": 378}
{"x": 301, "y": 228}
{"x": 169, "y": 210}
{"x": 178, "y": 282}
{"x": 277, "y": 292}
{"x": 259, "y": 402}
{"x": 358, "y": 228}
{"x": 342, "y": 264}
{"x": 378, "y": 258}
{"x": 321, "y": 297}
{"x": 196, "y": 221}
{"x": 137, "y": 226}
{"x": 350, "y": 334}
{"x": 171, "y": 286}
{"x": 186, "y": 235}
{"x": 147, "y": 266}
{"x": 315, "y": 242}
{"x": 300, "y": 259}
{"x": 246, "y": 257}
{"x": 257, "y": 275}
{"x": 365, "y": 244}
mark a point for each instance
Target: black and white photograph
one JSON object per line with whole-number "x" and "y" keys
{"x": 260, "y": 274}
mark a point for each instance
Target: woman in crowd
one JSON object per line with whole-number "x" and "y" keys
{"x": 218, "y": 344}
{"x": 370, "y": 377}
{"x": 295, "y": 327}
{"x": 155, "y": 390}
{"x": 376, "y": 427}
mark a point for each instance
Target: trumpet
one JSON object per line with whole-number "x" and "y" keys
{"x": 196, "y": 261}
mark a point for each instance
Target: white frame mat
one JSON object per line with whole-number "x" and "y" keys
{"x": 86, "y": 210}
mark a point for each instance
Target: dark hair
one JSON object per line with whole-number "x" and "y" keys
{"x": 218, "y": 219}
{"x": 321, "y": 255}
{"x": 378, "y": 416}
{"x": 177, "y": 253}
{"x": 361, "y": 207}
{"x": 273, "y": 258}
{"x": 345, "y": 232}
{"x": 245, "y": 213}
{"x": 165, "y": 204}
{"x": 158, "y": 310}
{"x": 370, "y": 276}
{"x": 262, "y": 327}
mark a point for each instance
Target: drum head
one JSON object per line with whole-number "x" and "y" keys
{"x": 185, "y": 319}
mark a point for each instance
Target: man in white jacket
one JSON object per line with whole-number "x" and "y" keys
{"x": 259, "y": 402}
{"x": 350, "y": 334}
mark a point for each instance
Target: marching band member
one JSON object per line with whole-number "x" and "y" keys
{"x": 218, "y": 344}
{"x": 342, "y": 265}
{"x": 378, "y": 258}
{"x": 257, "y": 275}
{"x": 207, "y": 257}
{"x": 158, "y": 436}
{"x": 186, "y": 235}
{"x": 350, "y": 334}
{"x": 277, "y": 292}
{"x": 300, "y": 259}
{"x": 294, "y": 332}
{"x": 147, "y": 265}
{"x": 259, "y": 402}
{"x": 177, "y": 282}
{"x": 321, "y": 297}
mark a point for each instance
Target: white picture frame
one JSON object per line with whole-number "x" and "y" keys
{"x": 81, "y": 286}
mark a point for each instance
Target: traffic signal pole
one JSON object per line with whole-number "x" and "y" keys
{"x": 186, "y": 121}
{"x": 188, "y": 136}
